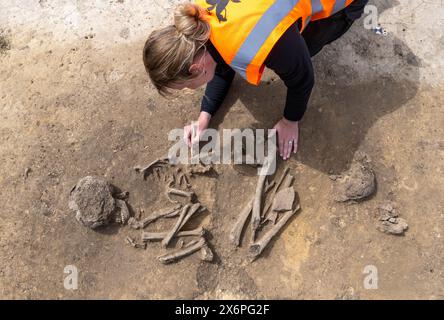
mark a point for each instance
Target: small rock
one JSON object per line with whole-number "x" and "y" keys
{"x": 206, "y": 254}
{"x": 357, "y": 183}
{"x": 387, "y": 211}
{"x": 26, "y": 173}
{"x": 93, "y": 202}
{"x": 389, "y": 221}
{"x": 124, "y": 33}
{"x": 397, "y": 227}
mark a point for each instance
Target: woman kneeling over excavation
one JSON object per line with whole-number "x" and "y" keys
{"x": 211, "y": 40}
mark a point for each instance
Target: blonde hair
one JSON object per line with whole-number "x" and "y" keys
{"x": 169, "y": 52}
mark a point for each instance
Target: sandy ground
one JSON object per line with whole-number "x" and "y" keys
{"x": 75, "y": 100}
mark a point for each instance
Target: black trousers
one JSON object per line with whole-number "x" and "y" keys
{"x": 319, "y": 33}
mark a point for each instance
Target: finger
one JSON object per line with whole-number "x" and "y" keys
{"x": 286, "y": 147}
{"x": 295, "y": 146}
{"x": 295, "y": 143}
{"x": 187, "y": 136}
{"x": 281, "y": 147}
{"x": 289, "y": 148}
{"x": 197, "y": 136}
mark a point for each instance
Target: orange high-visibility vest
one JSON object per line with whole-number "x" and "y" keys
{"x": 245, "y": 31}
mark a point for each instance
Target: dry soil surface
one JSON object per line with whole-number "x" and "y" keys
{"x": 75, "y": 101}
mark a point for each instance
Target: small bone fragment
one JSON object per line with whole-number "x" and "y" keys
{"x": 133, "y": 223}
{"x": 206, "y": 254}
{"x": 287, "y": 183}
{"x": 172, "y": 214}
{"x": 177, "y": 192}
{"x": 236, "y": 232}
{"x": 283, "y": 201}
{"x": 281, "y": 179}
{"x": 177, "y": 226}
{"x": 181, "y": 193}
{"x": 155, "y": 163}
{"x": 192, "y": 242}
{"x": 269, "y": 186}
{"x": 134, "y": 244}
{"x": 157, "y": 173}
{"x": 194, "y": 208}
{"x": 170, "y": 182}
{"x": 159, "y": 236}
{"x": 259, "y": 246}
{"x": 177, "y": 255}
{"x": 141, "y": 213}
{"x": 187, "y": 181}
{"x": 275, "y": 189}
{"x": 174, "y": 178}
{"x": 124, "y": 212}
{"x": 130, "y": 241}
{"x": 200, "y": 169}
{"x": 26, "y": 174}
{"x": 256, "y": 212}
{"x": 181, "y": 178}
{"x": 271, "y": 216}
{"x": 167, "y": 213}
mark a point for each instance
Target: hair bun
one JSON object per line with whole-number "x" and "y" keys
{"x": 189, "y": 20}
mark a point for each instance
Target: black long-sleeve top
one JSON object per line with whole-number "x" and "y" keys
{"x": 289, "y": 59}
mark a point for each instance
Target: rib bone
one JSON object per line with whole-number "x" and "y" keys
{"x": 176, "y": 227}
{"x": 259, "y": 246}
{"x": 156, "y": 163}
{"x": 167, "y": 213}
{"x": 236, "y": 232}
{"x": 185, "y": 215}
{"x": 256, "y": 212}
{"x": 177, "y": 192}
{"x": 159, "y": 236}
{"x": 171, "y": 257}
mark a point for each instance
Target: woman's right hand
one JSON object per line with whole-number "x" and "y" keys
{"x": 192, "y": 136}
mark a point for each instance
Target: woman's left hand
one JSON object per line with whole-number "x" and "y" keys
{"x": 287, "y": 134}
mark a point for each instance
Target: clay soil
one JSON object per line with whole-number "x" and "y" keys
{"x": 75, "y": 101}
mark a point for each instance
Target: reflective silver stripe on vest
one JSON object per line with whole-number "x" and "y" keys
{"x": 339, "y": 5}
{"x": 265, "y": 26}
{"x": 307, "y": 21}
{"x": 316, "y": 7}
{"x": 260, "y": 33}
